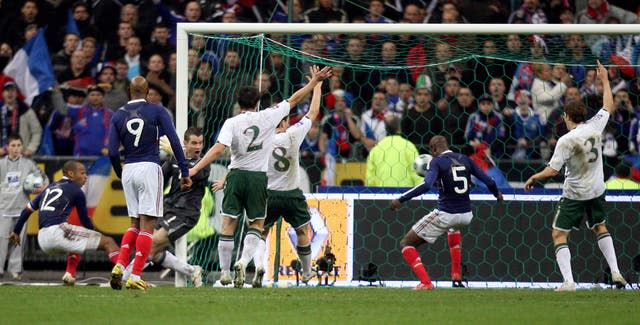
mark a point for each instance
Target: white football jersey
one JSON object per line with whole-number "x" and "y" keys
{"x": 250, "y": 136}
{"x": 282, "y": 171}
{"x": 581, "y": 151}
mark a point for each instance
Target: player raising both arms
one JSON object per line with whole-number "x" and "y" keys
{"x": 55, "y": 204}
{"x": 580, "y": 151}
{"x": 137, "y": 126}
{"x": 250, "y": 137}
{"x": 285, "y": 199}
{"x": 452, "y": 174}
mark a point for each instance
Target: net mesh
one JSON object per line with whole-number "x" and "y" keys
{"x": 435, "y": 84}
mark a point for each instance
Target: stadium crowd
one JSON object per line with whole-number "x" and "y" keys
{"x": 488, "y": 107}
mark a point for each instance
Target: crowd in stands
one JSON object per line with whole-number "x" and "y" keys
{"x": 505, "y": 109}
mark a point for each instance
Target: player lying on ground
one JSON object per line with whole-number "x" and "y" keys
{"x": 451, "y": 172}
{"x": 56, "y": 235}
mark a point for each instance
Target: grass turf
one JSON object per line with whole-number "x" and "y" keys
{"x": 164, "y": 305}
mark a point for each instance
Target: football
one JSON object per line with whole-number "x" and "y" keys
{"x": 421, "y": 164}
{"x": 33, "y": 180}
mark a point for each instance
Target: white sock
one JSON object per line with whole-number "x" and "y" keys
{"x": 563, "y": 257}
{"x": 304, "y": 253}
{"x": 251, "y": 241}
{"x": 225, "y": 250}
{"x": 127, "y": 271}
{"x": 605, "y": 242}
{"x": 172, "y": 262}
{"x": 258, "y": 255}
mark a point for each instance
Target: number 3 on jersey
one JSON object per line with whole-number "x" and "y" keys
{"x": 458, "y": 178}
{"x": 135, "y": 127}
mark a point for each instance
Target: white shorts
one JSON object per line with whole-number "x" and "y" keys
{"x": 142, "y": 184}
{"x": 436, "y": 223}
{"x": 66, "y": 238}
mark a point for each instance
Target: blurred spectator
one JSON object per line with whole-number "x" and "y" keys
{"x": 91, "y": 125}
{"x": 192, "y": 13}
{"x": 372, "y": 120}
{"x": 390, "y": 162}
{"x": 60, "y": 127}
{"x": 15, "y": 29}
{"x": 578, "y": 57}
{"x": 485, "y": 125}
{"x": 547, "y": 89}
{"x": 82, "y": 16}
{"x": 634, "y": 135}
{"x": 116, "y": 47}
{"x": 122, "y": 69}
{"x": 405, "y": 98}
{"x": 77, "y": 68}
{"x": 588, "y": 86}
{"x": 158, "y": 76}
{"x": 620, "y": 120}
{"x": 528, "y": 13}
{"x": 529, "y": 131}
{"x": 91, "y": 56}
{"x": 376, "y": 13}
{"x": 390, "y": 65}
{"x": 62, "y": 59}
{"x": 419, "y": 124}
{"x": 263, "y": 83}
{"x": 17, "y": 117}
{"x": 132, "y": 56}
{"x": 413, "y": 13}
{"x": 159, "y": 44}
{"x": 356, "y": 80}
{"x": 279, "y": 72}
{"x": 6, "y": 53}
{"x": 310, "y": 157}
{"x": 114, "y": 98}
{"x": 197, "y": 107}
{"x": 598, "y": 11}
{"x": 339, "y": 135}
{"x": 324, "y": 12}
{"x": 622, "y": 179}
{"x": 225, "y": 83}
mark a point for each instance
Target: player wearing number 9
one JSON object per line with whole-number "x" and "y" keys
{"x": 452, "y": 174}
{"x": 136, "y": 127}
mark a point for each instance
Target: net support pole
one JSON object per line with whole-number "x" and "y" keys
{"x": 182, "y": 102}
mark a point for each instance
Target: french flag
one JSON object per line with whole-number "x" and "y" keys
{"x": 31, "y": 68}
{"x": 97, "y": 180}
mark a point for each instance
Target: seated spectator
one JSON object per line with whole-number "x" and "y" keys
{"x": 91, "y": 125}
{"x": 485, "y": 125}
{"x": 405, "y": 98}
{"x": 132, "y": 56}
{"x": 390, "y": 162}
{"x": 324, "y": 12}
{"x": 588, "y": 86}
{"x": 159, "y": 77}
{"x": 17, "y": 117}
{"x": 82, "y": 16}
{"x": 529, "y": 131}
{"x": 339, "y": 135}
{"x": 622, "y": 179}
{"x": 419, "y": 123}
{"x": 376, "y": 13}
{"x": 547, "y": 89}
{"x": 62, "y": 59}
{"x": 529, "y": 12}
{"x": 598, "y": 11}
{"x": 197, "y": 107}
{"x": 114, "y": 97}
{"x": 122, "y": 81}
{"x": 372, "y": 120}
{"x": 77, "y": 70}
{"x": 116, "y": 48}
{"x": 160, "y": 44}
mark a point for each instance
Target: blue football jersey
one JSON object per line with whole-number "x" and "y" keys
{"x": 451, "y": 173}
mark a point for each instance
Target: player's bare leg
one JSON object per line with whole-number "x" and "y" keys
{"x": 250, "y": 243}
{"x": 605, "y": 243}
{"x": 411, "y": 256}
{"x": 303, "y": 249}
{"x": 143, "y": 248}
{"x": 225, "y": 248}
{"x": 563, "y": 258}
{"x": 128, "y": 240}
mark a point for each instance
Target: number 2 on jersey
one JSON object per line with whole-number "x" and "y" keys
{"x": 256, "y": 132}
{"x": 458, "y": 178}
{"x": 137, "y": 130}
{"x": 55, "y": 193}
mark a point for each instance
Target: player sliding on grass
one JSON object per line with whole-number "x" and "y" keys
{"x": 55, "y": 204}
{"x": 452, "y": 174}
{"x": 583, "y": 190}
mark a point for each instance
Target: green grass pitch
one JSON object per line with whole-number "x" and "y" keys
{"x": 168, "y": 305}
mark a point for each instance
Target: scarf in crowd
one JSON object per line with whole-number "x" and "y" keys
{"x": 599, "y": 13}
{"x": 9, "y": 120}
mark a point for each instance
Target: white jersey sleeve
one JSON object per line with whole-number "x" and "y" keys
{"x": 275, "y": 114}
{"x": 599, "y": 121}
{"x": 298, "y": 131}
{"x": 226, "y": 133}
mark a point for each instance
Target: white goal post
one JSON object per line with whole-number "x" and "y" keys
{"x": 184, "y": 29}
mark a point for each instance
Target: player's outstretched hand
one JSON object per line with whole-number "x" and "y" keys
{"x": 529, "y": 184}
{"x": 14, "y": 239}
{"x": 601, "y": 72}
{"x": 320, "y": 74}
{"x": 395, "y": 205}
{"x": 185, "y": 182}
{"x": 217, "y": 185}
{"x": 499, "y": 197}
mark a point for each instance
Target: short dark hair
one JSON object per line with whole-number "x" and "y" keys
{"x": 70, "y": 166}
{"x": 248, "y": 97}
{"x": 576, "y": 110}
{"x": 14, "y": 136}
{"x": 392, "y": 125}
{"x": 195, "y": 131}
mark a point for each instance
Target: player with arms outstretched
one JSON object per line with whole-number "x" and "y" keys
{"x": 137, "y": 126}
{"x": 250, "y": 137}
{"x": 451, "y": 172}
{"x": 55, "y": 204}
{"x": 583, "y": 192}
